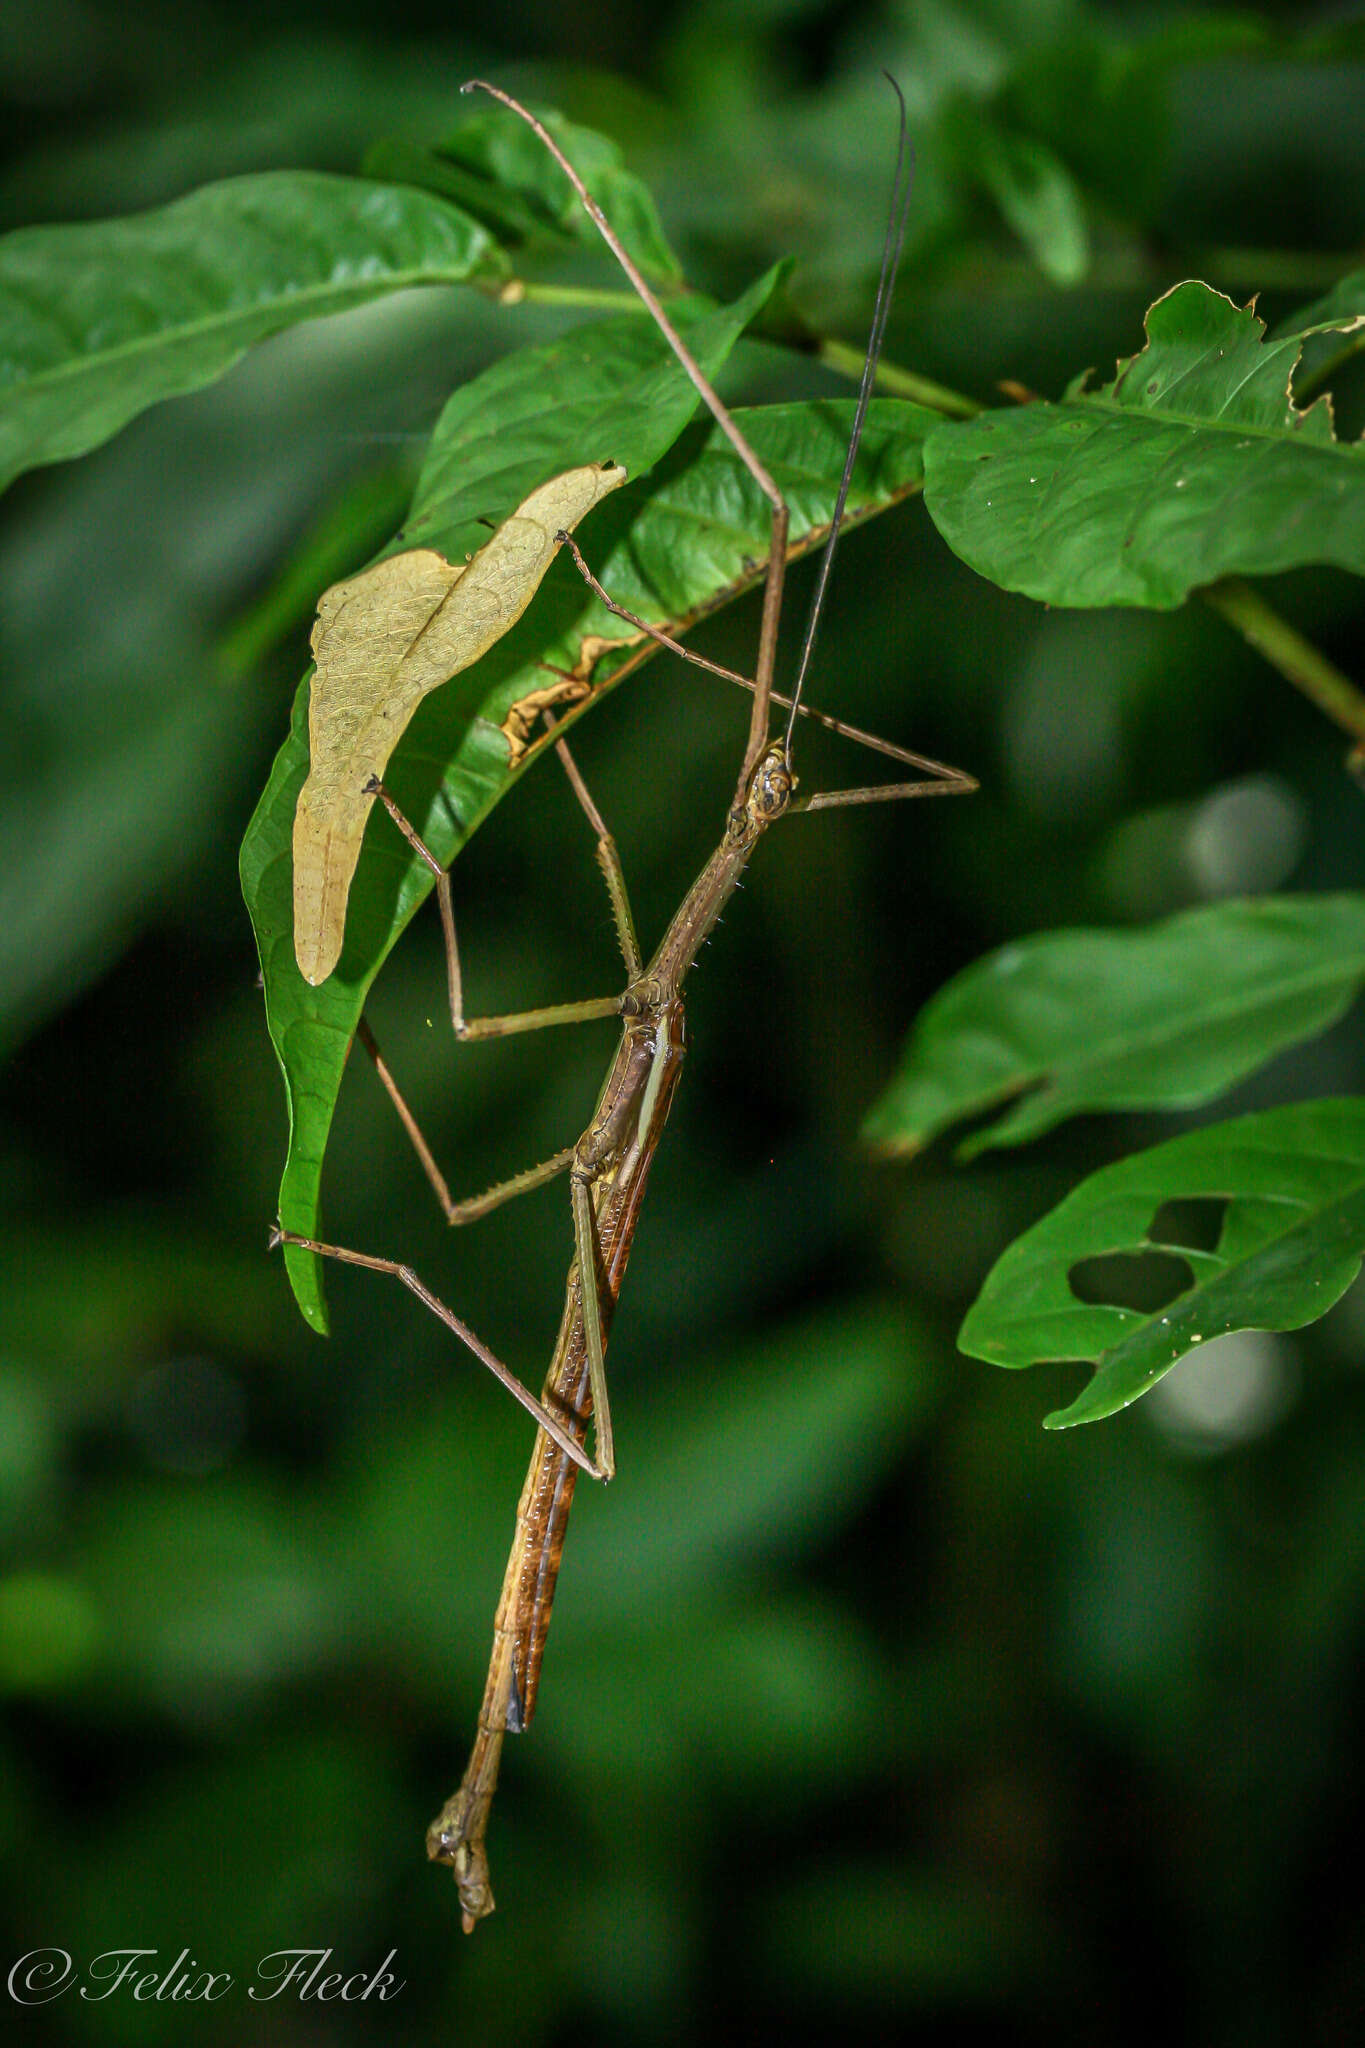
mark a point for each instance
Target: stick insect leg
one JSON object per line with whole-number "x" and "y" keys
{"x": 468, "y": 1028}
{"x": 946, "y": 780}
{"x": 777, "y": 550}
{"x": 591, "y": 1281}
{"x": 952, "y": 783}
{"x": 940, "y": 780}
{"x": 608, "y": 859}
{"x": 536, "y": 1409}
{"x": 473, "y": 1206}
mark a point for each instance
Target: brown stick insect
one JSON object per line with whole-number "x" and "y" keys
{"x": 608, "y": 1167}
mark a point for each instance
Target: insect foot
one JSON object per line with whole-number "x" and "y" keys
{"x": 456, "y": 1837}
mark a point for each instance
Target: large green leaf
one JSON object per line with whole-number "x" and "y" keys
{"x": 1290, "y": 1245}
{"x": 1193, "y": 464}
{"x": 99, "y": 321}
{"x": 1091, "y": 1020}
{"x": 668, "y": 550}
{"x": 612, "y": 390}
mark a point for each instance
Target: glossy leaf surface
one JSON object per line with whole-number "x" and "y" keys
{"x": 1192, "y": 465}
{"x": 1290, "y": 1245}
{"x": 99, "y": 321}
{"x": 1162, "y": 1018}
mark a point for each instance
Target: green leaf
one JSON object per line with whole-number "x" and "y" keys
{"x": 668, "y": 550}
{"x": 1039, "y": 198}
{"x": 611, "y": 390}
{"x": 496, "y": 168}
{"x": 99, "y": 321}
{"x": 1193, "y": 464}
{"x": 1291, "y": 1244}
{"x": 1333, "y": 331}
{"x": 1163, "y": 1018}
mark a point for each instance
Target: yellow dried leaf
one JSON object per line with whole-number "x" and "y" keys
{"x": 381, "y": 642}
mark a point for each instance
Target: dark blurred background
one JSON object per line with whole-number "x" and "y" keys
{"x": 867, "y": 1704}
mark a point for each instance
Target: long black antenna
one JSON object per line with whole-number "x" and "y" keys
{"x": 886, "y": 284}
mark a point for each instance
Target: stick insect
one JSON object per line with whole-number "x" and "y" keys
{"x": 609, "y": 1165}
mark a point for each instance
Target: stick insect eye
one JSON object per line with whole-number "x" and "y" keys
{"x": 774, "y": 785}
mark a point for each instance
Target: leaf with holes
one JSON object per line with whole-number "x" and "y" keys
{"x": 1291, "y": 1244}
{"x": 1193, "y": 464}
{"x": 1163, "y": 1018}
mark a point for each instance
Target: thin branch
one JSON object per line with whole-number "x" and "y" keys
{"x": 1297, "y": 659}
{"x": 520, "y": 291}
{"x": 848, "y": 362}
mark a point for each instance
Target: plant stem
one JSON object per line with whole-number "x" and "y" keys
{"x": 1297, "y": 660}
{"x": 837, "y": 355}
{"x": 516, "y": 291}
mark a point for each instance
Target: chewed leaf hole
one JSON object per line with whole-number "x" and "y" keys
{"x": 1145, "y": 1281}
{"x": 1196, "y": 1222}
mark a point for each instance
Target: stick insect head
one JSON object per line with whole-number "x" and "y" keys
{"x": 768, "y": 790}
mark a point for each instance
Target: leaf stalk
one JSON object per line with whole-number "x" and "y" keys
{"x": 1296, "y": 659}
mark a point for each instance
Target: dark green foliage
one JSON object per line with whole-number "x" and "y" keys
{"x": 98, "y": 322}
